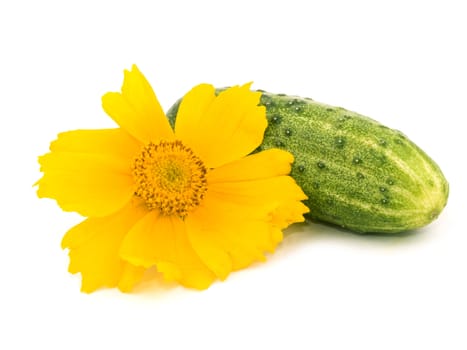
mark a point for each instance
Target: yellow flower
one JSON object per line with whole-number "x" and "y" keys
{"x": 191, "y": 201}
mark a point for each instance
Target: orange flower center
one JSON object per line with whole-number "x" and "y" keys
{"x": 170, "y": 178}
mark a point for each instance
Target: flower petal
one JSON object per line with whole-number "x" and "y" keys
{"x": 192, "y": 109}
{"x": 269, "y": 163}
{"x": 232, "y": 121}
{"x": 89, "y": 171}
{"x": 115, "y": 142}
{"x": 162, "y": 241}
{"x": 281, "y": 195}
{"x": 229, "y": 236}
{"x": 288, "y": 213}
{"x": 273, "y": 191}
{"x": 131, "y": 275}
{"x": 94, "y": 245}
{"x": 203, "y": 236}
{"x": 137, "y": 110}
{"x": 90, "y": 184}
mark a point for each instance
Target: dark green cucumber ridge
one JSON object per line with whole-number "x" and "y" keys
{"x": 357, "y": 173}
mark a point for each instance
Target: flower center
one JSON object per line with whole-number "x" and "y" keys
{"x": 170, "y": 178}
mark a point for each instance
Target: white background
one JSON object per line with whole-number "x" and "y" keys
{"x": 400, "y": 62}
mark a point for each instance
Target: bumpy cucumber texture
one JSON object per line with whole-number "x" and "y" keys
{"x": 357, "y": 173}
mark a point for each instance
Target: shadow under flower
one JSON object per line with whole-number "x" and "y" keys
{"x": 153, "y": 282}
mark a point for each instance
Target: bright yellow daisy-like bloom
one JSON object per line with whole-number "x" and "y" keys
{"x": 191, "y": 201}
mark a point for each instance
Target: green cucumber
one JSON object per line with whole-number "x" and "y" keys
{"x": 357, "y": 173}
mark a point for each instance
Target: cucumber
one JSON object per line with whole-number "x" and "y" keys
{"x": 357, "y": 173}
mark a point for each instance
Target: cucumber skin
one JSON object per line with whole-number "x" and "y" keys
{"x": 357, "y": 173}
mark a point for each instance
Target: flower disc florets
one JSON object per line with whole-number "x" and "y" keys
{"x": 170, "y": 178}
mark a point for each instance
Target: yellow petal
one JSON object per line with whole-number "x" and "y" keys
{"x": 204, "y": 241}
{"x": 94, "y": 246}
{"x": 89, "y": 171}
{"x": 229, "y": 236}
{"x": 130, "y": 276}
{"x": 192, "y": 109}
{"x": 288, "y": 213}
{"x": 90, "y": 184}
{"x": 225, "y": 128}
{"x": 137, "y": 110}
{"x": 116, "y": 142}
{"x": 162, "y": 241}
{"x": 270, "y": 163}
{"x": 238, "y": 221}
{"x": 274, "y": 190}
